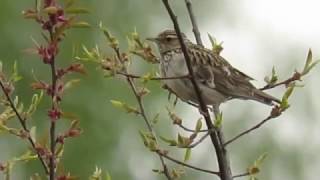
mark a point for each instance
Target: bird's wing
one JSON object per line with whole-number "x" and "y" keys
{"x": 214, "y": 71}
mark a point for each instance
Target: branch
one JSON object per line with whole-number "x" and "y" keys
{"x": 200, "y": 140}
{"x": 195, "y": 28}
{"x": 53, "y": 142}
{"x": 224, "y": 167}
{"x": 187, "y": 165}
{"x": 191, "y": 130}
{"x": 153, "y": 78}
{"x": 22, "y": 122}
{"x": 142, "y": 112}
{"x": 248, "y": 130}
{"x": 241, "y": 175}
{"x": 296, "y": 76}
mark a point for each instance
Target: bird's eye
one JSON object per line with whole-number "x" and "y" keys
{"x": 168, "y": 39}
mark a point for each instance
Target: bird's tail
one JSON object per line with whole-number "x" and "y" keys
{"x": 265, "y": 98}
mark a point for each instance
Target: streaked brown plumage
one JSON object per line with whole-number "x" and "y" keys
{"x": 217, "y": 79}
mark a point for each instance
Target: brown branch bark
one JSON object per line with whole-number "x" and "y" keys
{"x": 223, "y": 162}
{"x": 187, "y": 165}
{"x": 248, "y": 130}
{"x": 195, "y": 28}
{"x": 53, "y": 142}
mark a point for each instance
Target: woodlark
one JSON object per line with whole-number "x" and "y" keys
{"x": 216, "y": 78}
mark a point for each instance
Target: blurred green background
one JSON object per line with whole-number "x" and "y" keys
{"x": 256, "y": 36}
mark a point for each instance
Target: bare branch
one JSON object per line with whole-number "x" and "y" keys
{"x": 241, "y": 175}
{"x": 22, "y": 122}
{"x": 195, "y": 28}
{"x": 153, "y": 78}
{"x": 248, "y": 130}
{"x": 187, "y": 165}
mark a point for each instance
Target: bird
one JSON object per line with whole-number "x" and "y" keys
{"x": 216, "y": 78}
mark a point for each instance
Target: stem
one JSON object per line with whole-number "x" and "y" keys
{"x": 247, "y": 131}
{"x": 188, "y": 165}
{"x": 143, "y": 114}
{"x": 195, "y": 28}
{"x": 22, "y": 122}
{"x": 54, "y": 77}
{"x": 153, "y": 78}
{"x": 225, "y": 173}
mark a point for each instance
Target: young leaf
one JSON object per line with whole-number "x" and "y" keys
{"x": 199, "y": 125}
{"x": 171, "y": 142}
{"x": 187, "y": 155}
{"x": 218, "y": 120}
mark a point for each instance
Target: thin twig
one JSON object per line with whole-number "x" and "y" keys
{"x": 248, "y": 130}
{"x": 200, "y": 140}
{"x": 195, "y": 28}
{"x": 188, "y": 165}
{"x": 191, "y": 130}
{"x": 22, "y": 122}
{"x": 143, "y": 114}
{"x": 296, "y": 76}
{"x": 241, "y": 175}
{"x": 224, "y": 167}
{"x": 153, "y": 78}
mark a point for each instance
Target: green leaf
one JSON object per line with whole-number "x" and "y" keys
{"x": 274, "y": 77}
{"x": 124, "y": 106}
{"x": 97, "y": 174}
{"x": 15, "y": 76}
{"x": 71, "y": 83}
{"x": 33, "y": 133}
{"x": 198, "y": 125}
{"x": 309, "y": 59}
{"x": 218, "y": 120}
{"x": 306, "y": 71}
{"x": 171, "y": 142}
{"x": 108, "y": 176}
{"x": 187, "y": 155}
{"x": 81, "y": 24}
{"x": 51, "y": 10}
{"x": 183, "y": 141}
{"x": 284, "y": 102}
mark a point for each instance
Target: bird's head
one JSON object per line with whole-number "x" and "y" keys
{"x": 167, "y": 40}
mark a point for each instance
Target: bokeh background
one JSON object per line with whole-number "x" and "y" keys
{"x": 257, "y": 35}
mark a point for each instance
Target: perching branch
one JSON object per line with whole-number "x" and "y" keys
{"x": 22, "y": 122}
{"x": 224, "y": 167}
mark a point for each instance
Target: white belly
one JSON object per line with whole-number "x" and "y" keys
{"x": 176, "y": 67}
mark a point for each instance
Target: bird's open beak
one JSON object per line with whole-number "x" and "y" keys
{"x": 152, "y": 39}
